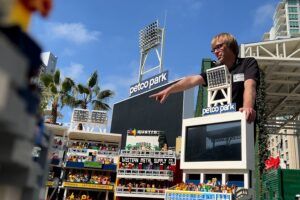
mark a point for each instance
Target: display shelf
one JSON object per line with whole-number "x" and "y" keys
{"x": 140, "y": 192}
{"x": 196, "y": 195}
{"x": 144, "y": 173}
{"x": 55, "y": 158}
{"x": 90, "y": 157}
{"x": 87, "y": 186}
{"x": 93, "y": 137}
{"x": 144, "y": 153}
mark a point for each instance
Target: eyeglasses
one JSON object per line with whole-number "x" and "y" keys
{"x": 217, "y": 47}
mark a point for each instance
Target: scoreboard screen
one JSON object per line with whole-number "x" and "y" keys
{"x": 143, "y": 113}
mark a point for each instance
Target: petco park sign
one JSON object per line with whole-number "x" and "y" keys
{"x": 149, "y": 83}
{"x": 219, "y": 109}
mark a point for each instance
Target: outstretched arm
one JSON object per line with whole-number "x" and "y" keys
{"x": 183, "y": 84}
{"x": 249, "y": 100}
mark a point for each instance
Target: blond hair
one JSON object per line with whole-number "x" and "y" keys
{"x": 229, "y": 40}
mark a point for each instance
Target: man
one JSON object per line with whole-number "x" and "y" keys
{"x": 244, "y": 71}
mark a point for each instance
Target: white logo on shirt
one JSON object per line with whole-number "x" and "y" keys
{"x": 238, "y": 77}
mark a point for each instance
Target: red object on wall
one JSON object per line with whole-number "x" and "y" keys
{"x": 272, "y": 163}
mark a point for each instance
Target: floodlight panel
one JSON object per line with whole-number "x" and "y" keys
{"x": 99, "y": 117}
{"x": 150, "y": 36}
{"x": 217, "y": 77}
{"x": 80, "y": 115}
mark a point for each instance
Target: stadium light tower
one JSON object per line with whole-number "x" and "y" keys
{"x": 218, "y": 80}
{"x": 151, "y": 38}
{"x": 90, "y": 121}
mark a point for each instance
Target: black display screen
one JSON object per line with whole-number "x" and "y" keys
{"x": 144, "y": 113}
{"x": 213, "y": 142}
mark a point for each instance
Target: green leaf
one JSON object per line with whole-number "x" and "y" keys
{"x": 46, "y": 79}
{"x": 82, "y": 89}
{"x": 105, "y": 94}
{"x": 92, "y": 81}
{"x": 53, "y": 88}
{"x": 98, "y": 105}
{"x": 56, "y": 77}
{"x": 68, "y": 100}
{"x": 67, "y": 85}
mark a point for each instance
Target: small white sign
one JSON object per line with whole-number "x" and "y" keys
{"x": 238, "y": 77}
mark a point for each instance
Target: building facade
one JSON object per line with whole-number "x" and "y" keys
{"x": 285, "y": 21}
{"x": 286, "y": 146}
{"x": 49, "y": 62}
{"x": 286, "y": 142}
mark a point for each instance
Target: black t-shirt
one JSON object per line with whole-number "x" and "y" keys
{"x": 242, "y": 70}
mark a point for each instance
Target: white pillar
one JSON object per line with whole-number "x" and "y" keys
{"x": 65, "y": 193}
{"x": 184, "y": 177}
{"x": 224, "y": 179}
{"x": 106, "y": 195}
{"x": 202, "y": 178}
{"x": 246, "y": 180}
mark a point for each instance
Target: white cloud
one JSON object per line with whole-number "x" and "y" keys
{"x": 263, "y": 14}
{"x": 75, "y": 71}
{"x": 121, "y": 82}
{"x": 190, "y": 8}
{"x": 194, "y": 4}
{"x": 68, "y": 52}
{"x": 73, "y": 32}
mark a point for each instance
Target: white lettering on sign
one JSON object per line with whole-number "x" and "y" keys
{"x": 149, "y": 83}
{"x": 219, "y": 109}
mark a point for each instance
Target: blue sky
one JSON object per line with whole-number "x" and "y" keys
{"x": 103, "y": 35}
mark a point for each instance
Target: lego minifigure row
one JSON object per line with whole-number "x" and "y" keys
{"x": 95, "y": 146}
{"x": 154, "y": 186}
{"x": 79, "y": 177}
{"x": 146, "y": 166}
{"x": 92, "y": 158}
{"x": 72, "y": 196}
{"x": 210, "y": 186}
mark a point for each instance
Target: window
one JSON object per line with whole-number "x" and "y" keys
{"x": 294, "y": 31}
{"x": 287, "y": 166}
{"x": 286, "y": 144}
{"x": 287, "y": 155}
{"x": 294, "y": 24}
{"x": 292, "y": 2}
{"x": 276, "y": 138}
{"x": 293, "y": 17}
{"x": 292, "y": 9}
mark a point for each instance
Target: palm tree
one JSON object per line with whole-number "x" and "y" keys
{"x": 91, "y": 93}
{"x": 57, "y": 92}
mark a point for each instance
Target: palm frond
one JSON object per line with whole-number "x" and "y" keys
{"x": 68, "y": 100}
{"x": 56, "y": 77}
{"x": 46, "y": 79}
{"x": 78, "y": 103}
{"x": 83, "y": 89}
{"x": 99, "y": 105}
{"x": 53, "y": 88}
{"x": 93, "y": 80}
{"x": 67, "y": 85}
{"x": 105, "y": 94}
